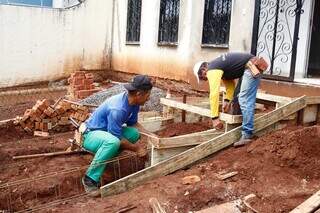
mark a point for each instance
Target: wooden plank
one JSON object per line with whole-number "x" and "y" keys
{"x": 159, "y": 155}
{"x": 6, "y": 122}
{"x": 313, "y": 100}
{"x": 155, "y": 124}
{"x": 235, "y": 119}
{"x": 156, "y": 206}
{"x": 273, "y": 98}
{"x": 186, "y": 107}
{"x": 201, "y": 151}
{"x": 310, "y": 205}
{"x": 187, "y": 140}
{"x": 52, "y": 154}
{"x": 310, "y": 114}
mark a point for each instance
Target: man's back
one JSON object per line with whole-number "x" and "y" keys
{"x": 116, "y": 105}
{"x": 232, "y": 64}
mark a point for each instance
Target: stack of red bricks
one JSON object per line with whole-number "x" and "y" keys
{"x": 47, "y": 118}
{"x": 81, "y": 85}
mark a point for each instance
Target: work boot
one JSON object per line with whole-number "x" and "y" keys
{"x": 90, "y": 186}
{"x": 243, "y": 141}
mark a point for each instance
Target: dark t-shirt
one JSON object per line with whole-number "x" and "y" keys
{"x": 232, "y": 64}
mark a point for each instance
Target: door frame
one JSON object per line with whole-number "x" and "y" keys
{"x": 254, "y": 40}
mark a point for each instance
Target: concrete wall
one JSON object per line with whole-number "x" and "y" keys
{"x": 175, "y": 62}
{"x": 38, "y": 44}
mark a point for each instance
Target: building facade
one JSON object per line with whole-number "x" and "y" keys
{"x": 162, "y": 38}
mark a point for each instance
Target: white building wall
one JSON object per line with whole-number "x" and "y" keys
{"x": 175, "y": 62}
{"x": 38, "y": 44}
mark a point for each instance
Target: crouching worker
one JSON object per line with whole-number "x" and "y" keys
{"x": 228, "y": 67}
{"x": 106, "y": 133}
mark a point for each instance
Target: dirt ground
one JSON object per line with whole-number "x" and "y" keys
{"x": 281, "y": 169}
{"x": 176, "y": 129}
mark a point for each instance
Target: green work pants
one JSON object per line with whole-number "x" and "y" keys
{"x": 105, "y": 146}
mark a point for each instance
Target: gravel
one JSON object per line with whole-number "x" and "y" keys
{"x": 152, "y": 105}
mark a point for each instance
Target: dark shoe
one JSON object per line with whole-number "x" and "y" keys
{"x": 90, "y": 186}
{"x": 243, "y": 141}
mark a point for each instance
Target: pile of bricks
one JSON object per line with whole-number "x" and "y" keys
{"x": 81, "y": 85}
{"x": 44, "y": 117}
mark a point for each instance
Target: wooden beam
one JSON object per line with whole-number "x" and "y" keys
{"x": 186, "y": 107}
{"x": 310, "y": 205}
{"x": 199, "y": 152}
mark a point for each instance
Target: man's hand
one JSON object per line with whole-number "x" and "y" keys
{"x": 226, "y": 106}
{"x": 217, "y": 124}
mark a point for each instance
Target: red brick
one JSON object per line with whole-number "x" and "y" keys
{"x": 79, "y": 73}
{"x": 60, "y": 110}
{"x": 26, "y": 115}
{"x": 41, "y": 134}
{"x": 88, "y": 81}
{"x": 43, "y": 104}
{"x": 49, "y": 111}
{"x": 43, "y": 127}
{"x": 89, "y": 75}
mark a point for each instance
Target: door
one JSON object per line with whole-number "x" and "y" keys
{"x": 314, "y": 55}
{"x": 276, "y": 34}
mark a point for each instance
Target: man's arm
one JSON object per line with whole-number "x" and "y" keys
{"x": 214, "y": 78}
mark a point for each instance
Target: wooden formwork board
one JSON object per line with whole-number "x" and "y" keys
{"x": 227, "y": 118}
{"x": 310, "y": 205}
{"x": 199, "y": 152}
{"x": 164, "y": 148}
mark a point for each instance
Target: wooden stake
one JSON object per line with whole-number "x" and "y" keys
{"x": 183, "y": 114}
{"x": 46, "y": 154}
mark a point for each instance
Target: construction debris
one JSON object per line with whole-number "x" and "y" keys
{"x": 155, "y": 205}
{"x": 226, "y": 175}
{"x": 190, "y": 179}
{"x": 44, "y": 118}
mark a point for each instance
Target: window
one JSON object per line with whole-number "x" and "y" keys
{"x": 168, "y": 22}
{"x": 216, "y": 22}
{"x": 133, "y": 21}
{"x": 42, "y": 3}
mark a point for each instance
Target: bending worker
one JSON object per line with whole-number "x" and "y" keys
{"x": 105, "y": 132}
{"x": 228, "y": 67}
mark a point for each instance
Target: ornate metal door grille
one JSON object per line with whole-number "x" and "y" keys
{"x": 276, "y": 35}
{"x": 133, "y": 21}
{"x": 216, "y": 22}
{"x": 169, "y": 22}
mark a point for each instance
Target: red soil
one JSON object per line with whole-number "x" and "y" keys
{"x": 281, "y": 169}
